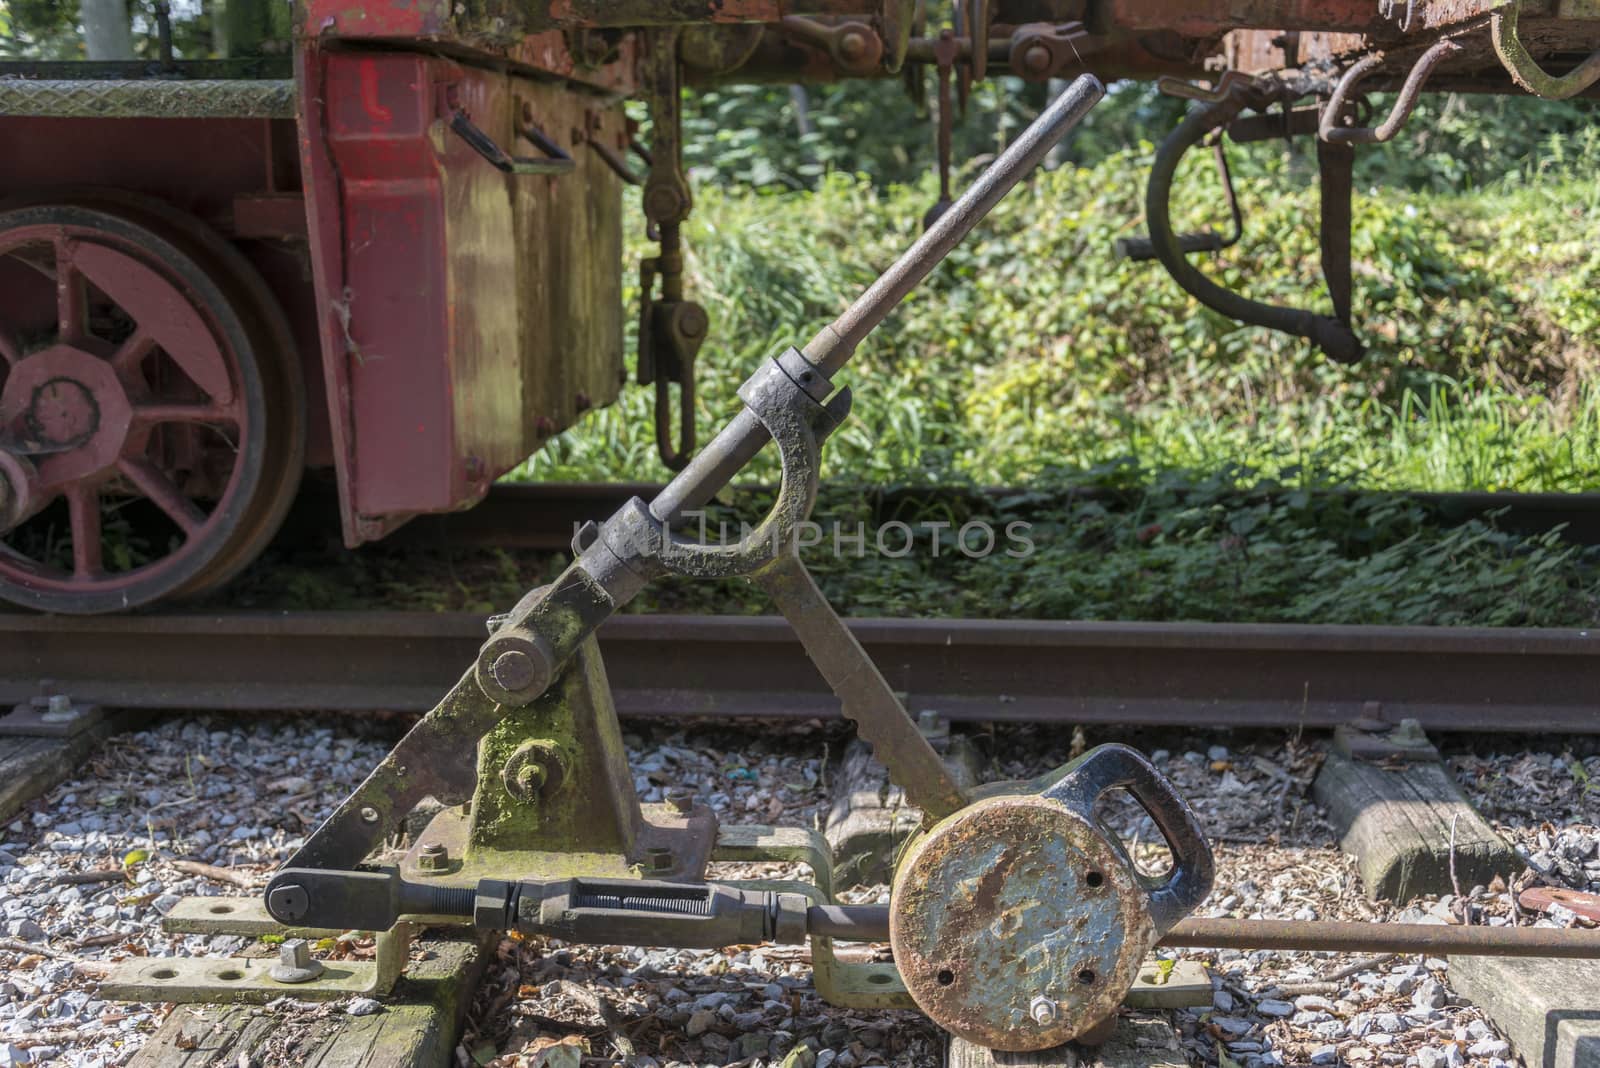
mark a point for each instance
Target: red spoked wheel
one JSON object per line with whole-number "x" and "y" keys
{"x": 150, "y": 436}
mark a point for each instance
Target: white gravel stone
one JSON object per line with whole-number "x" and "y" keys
{"x": 363, "y": 1007}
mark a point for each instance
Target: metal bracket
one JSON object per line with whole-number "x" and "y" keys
{"x": 1404, "y": 742}
{"x": 231, "y": 980}
{"x": 51, "y": 714}
{"x": 554, "y": 161}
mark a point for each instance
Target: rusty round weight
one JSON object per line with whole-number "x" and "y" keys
{"x": 1016, "y": 924}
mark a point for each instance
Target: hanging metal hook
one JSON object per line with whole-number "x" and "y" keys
{"x": 1328, "y": 129}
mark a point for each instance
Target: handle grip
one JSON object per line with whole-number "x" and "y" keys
{"x": 1108, "y": 767}
{"x": 1141, "y": 249}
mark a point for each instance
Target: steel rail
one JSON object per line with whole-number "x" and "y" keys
{"x": 544, "y": 515}
{"x": 1217, "y": 675}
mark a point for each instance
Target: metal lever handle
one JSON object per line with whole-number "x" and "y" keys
{"x": 554, "y": 161}
{"x": 1107, "y": 767}
{"x": 833, "y": 345}
{"x": 1140, "y": 249}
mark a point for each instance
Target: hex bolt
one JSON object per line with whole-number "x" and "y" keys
{"x": 513, "y": 670}
{"x": 433, "y": 857}
{"x": 1043, "y": 1010}
{"x": 295, "y": 964}
{"x": 59, "y": 708}
{"x": 932, "y": 725}
{"x": 658, "y": 858}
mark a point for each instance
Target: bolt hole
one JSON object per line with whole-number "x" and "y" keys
{"x": 231, "y": 974}
{"x": 369, "y": 814}
{"x": 163, "y": 973}
{"x": 221, "y": 910}
{"x": 945, "y": 977}
{"x": 805, "y": 376}
{"x": 1094, "y": 880}
{"x": 882, "y": 978}
{"x": 1087, "y": 977}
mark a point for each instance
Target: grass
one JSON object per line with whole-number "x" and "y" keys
{"x": 1032, "y": 358}
{"x": 1032, "y": 353}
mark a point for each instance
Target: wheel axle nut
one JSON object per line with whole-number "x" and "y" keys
{"x": 1043, "y": 1010}
{"x": 295, "y": 964}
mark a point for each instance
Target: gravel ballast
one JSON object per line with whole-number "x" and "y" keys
{"x": 76, "y": 893}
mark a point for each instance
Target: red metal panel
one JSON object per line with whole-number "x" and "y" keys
{"x": 449, "y": 289}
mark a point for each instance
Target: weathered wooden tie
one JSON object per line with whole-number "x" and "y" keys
{"x": 1141, "y": 1040}
{"x": 1398, "y": 811}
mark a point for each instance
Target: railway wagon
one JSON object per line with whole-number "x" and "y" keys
{"x": 385, "y": 239}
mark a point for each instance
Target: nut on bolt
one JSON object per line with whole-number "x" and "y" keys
{"x": 295, "y": 964}
{"x": 1043, "y": 1010}
{"x": 433, "y": 857}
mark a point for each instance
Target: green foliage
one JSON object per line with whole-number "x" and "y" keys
{"x": 1032, "y": 348}
{"x": 1127, "y": 543}
{"x": 50, "y": 30}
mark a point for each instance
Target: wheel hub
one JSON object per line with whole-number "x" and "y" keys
{"x": 63, "y": 415}
{"x": 67, "y": 407}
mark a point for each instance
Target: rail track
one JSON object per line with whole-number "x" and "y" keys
{"x": 1217, "y": 675}
{"x": 544, "y": 515}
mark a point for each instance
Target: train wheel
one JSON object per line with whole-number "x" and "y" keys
{"x": 144, "y": 421}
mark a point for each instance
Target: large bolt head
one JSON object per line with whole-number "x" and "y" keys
{"x": 288, "y": 903}
{"x": 664, "y": 202}
{"x": 514, "y": 670}
{"x": 515, "y": 666}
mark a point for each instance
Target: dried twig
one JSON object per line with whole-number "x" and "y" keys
{"x": 17, "y": 945}
{"x": 1293, "y": 990}
{"x": 96, "y": 875}
{"x": 1365, "y": 964}
{"x": 242, "y": 879}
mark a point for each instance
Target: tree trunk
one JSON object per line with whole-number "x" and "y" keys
{"x": 106, "y": 33}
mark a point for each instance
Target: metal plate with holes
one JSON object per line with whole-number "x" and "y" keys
{"x": 229, "y": 979}
{"x": 231, "y": 916}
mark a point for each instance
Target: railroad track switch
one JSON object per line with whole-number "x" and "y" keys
{"x": 1016, "y": 919}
